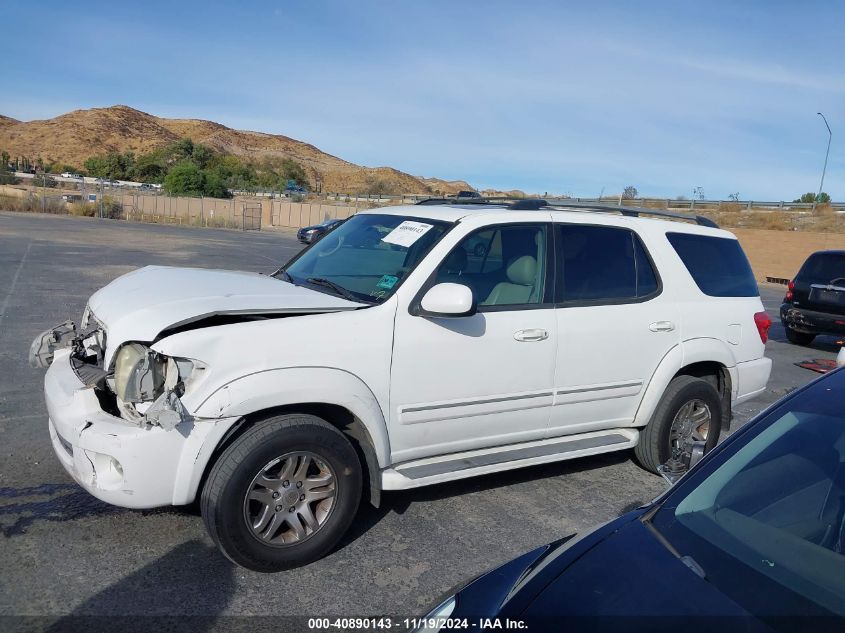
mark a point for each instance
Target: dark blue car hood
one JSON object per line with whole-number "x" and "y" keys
{"x": 631, "y": 573}
{"x": 619, "y": 577}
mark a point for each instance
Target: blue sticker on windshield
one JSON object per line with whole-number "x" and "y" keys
{"x": 387, "y": 282}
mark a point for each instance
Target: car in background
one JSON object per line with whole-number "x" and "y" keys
{"x": 752, "y": 537}
{"x": 145, "y": 186}
{"x": 310, "y": 234}
{"x": 68, "y": 174}
{"x": 468, "y": 194}
{"x": 815, "y": 299}
{"x": 295, "y": 190}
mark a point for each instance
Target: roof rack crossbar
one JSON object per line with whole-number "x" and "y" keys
{"x": 517, "y": 204}
{"x": 461, "y": 201}
{"x": 636, "y": 212}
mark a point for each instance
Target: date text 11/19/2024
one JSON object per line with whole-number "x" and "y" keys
{"x": 417, "y": 624}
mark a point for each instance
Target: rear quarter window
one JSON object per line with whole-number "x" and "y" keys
{"x": 717, "y": 264}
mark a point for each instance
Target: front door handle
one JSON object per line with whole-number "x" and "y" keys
{"x": 662, "y": 326}
{"x": 533, "y": 334}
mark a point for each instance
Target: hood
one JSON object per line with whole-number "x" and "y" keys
{"x": 140, "y": 305}
{"x": 630, "y": 573}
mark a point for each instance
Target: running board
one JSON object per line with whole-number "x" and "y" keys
{"x": 434, "y": 470}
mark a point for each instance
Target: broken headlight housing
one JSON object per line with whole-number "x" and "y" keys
{"x": 148, "y": 385}
{"x": 139, "y": 373}
{"x": 142, "y": 374}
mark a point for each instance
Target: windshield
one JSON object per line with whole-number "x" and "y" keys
{"x": 366, "y": 257}
{"x": 768, "y": 524}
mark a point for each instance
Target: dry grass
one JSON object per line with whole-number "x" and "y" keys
{"x": 33, "y": 204}
{"x": 85, "y": 209}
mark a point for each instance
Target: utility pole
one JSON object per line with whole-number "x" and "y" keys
{"x": 827, "y": 153}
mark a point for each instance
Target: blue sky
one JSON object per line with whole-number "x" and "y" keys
{"x": 543, "y": 96}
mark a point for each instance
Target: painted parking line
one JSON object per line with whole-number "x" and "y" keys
{"x": 14, "y": 283}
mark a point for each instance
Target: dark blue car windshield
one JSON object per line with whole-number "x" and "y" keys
{"x": 766, "y": 518}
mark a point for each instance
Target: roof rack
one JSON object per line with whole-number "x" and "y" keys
{"x": 457, "y": 201}
{"x": 535, "y": 204}
{"x": 636, "y": 212}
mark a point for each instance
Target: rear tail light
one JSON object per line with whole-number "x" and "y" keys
{"x": 763, "y": 323}
{"x": 789, "y": 288}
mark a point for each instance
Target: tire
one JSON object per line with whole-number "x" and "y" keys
{"x": 235, "y": 501}
{"x": 654, "y": 447}
{"x": 798, "y": 338}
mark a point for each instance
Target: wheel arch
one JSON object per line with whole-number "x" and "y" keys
{"x": 338, "y": 397}
{"x": 708, "y": 359}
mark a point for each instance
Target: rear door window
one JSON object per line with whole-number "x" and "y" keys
{"x": 717, "y": 264}
{"x": 602, "y": 264}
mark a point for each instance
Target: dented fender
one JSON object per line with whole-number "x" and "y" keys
{"x": 280, "y": 387}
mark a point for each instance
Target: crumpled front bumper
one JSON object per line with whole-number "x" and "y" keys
{"x": 119, "y": 462}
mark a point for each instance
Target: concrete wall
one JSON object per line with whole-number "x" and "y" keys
{"x": 779, "y": 254}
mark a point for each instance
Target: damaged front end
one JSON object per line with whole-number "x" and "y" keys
{"x": 142, "y": 386}
{"x": 44, "y": 346}
{"x": 147, "y": 385}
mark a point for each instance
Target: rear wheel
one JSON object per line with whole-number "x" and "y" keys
{"x": 798, "y": 338}
{"x": 690, "y": 410}
{"x": 283, "y": 493}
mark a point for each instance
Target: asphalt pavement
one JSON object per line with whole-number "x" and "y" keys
{"x": 64, "y": 553}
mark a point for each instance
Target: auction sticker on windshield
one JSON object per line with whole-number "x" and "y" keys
{"x": 407, "y": 233}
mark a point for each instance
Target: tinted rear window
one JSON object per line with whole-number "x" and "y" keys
{"x": 823, "y": 268}
{"x": 717, "y": 264}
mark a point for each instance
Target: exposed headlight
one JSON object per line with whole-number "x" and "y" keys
{"x": 436, "y": 619}
{"x": 139, "y": 373}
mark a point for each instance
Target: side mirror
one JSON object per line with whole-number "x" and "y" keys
{"x": 447, "y": 300}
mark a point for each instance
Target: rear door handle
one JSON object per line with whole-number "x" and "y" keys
{"x": 533, "y": 334}
{"x": 662, "y": 326}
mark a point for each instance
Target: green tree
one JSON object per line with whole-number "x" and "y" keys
{"x": 810, "y": 197}
{"x": 185, "y": 179}
{"x": 232, "y": 172}
{"x": 111, "y": 165}
{"x": 149, "y": 168}
{"x": 213, "y": 185}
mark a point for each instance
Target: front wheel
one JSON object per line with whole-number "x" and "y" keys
{"x": 283, "y": 493}
{"x": 690, "y": 410}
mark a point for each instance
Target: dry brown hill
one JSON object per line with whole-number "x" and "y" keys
{"x": 6, "y": 120}
{"x": 73, "y": 137}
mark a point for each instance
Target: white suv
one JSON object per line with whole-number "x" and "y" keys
{"x": 396, "y": 353}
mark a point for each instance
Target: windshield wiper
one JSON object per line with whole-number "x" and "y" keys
{"x": 343, "y": 292}
{"x": 687, "y": 560}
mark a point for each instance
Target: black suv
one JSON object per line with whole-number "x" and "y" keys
{"x": 815, "y": 299}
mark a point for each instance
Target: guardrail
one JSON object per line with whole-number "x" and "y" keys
{"x": 664, "y": 203}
